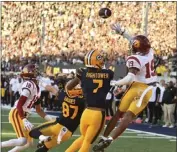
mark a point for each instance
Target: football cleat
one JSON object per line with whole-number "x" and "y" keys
{"x": 102, "y": 144}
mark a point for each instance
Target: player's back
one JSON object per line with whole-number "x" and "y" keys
{"x": 72, "y": 109}
{"x": 32, "y": 92}
{"x": 95, "y": 84}
{"x": 145, "y": 65}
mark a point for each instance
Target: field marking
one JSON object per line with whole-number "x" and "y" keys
{"x": 150, "y": 133}
{"x": 172, "y": 140}
{"x": 135, "y": 137}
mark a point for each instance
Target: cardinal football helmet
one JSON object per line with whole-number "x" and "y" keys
{"x": 140, "y": 44}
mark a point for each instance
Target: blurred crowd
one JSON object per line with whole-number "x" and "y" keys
{"x": 53, "y": 33}
{"x": 70, "y": 29}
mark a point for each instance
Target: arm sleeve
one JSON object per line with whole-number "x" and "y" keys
{"x": 126, "y": 80}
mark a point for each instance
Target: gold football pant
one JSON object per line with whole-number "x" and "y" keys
{"x": 53, "y": 128}
{"x": 17, "y": 123}
{"x": 92, "y": 122}
{"x": 132, "y": 96}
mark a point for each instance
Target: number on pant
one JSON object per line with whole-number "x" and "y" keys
{"x": 100, "y": 84}
{"x": 67, "y": 108}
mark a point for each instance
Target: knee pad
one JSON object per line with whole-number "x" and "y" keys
{"x": 22, "y": 141}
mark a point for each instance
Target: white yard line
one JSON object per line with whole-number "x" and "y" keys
{"x": 150, "y": 133}
{"x": 172, "y": 140}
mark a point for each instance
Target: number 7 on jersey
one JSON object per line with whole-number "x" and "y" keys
{"x": 100, "y": 84}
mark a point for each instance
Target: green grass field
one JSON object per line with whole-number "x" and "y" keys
{"x": 129, "y": 142}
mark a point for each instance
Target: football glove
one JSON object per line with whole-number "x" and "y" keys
{"x": 113, "y": 83}
{"x": 28, "y": 125}
{"x": 116, "y": 27}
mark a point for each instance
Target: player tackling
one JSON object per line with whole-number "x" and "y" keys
{"x": 18, "y": 115}
{"x": 141, "y": 77}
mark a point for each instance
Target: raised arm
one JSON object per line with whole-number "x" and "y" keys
{"x": 116, "y": 27}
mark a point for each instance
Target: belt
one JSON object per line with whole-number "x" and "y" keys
{"x": 94, "y": 108}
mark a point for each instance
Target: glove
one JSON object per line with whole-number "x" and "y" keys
{"x": 116, "y": 27}
{"x": 27, "y": 124}
{"x": 113, "y": 82}
{"x": 49, "y": 118}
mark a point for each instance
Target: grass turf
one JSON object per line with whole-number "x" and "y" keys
{"x": 130, "y": 142}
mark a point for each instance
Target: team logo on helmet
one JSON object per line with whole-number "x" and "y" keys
{"x": 136, "y": 43}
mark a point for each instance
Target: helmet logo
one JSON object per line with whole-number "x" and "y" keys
{"x": 136, "y": 43}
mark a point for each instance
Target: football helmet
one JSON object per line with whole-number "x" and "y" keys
{"x": 30, "y": 71}
{"x": 75, "y": 92}
{"x": 140, "y": 44}
{"x": 94, "y": 59}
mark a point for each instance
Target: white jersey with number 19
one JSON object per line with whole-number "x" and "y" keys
{"x": 145, "y": 65}
{"x": 32, "y": 92}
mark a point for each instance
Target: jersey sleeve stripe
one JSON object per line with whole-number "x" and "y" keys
{"x": 27, "y": 89}
{"x": 134, "y": 58}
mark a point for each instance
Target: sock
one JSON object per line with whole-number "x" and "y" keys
{"x": 13, "y": 142}
{"x": 20, "y": 148}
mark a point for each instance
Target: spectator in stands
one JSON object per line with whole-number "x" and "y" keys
{"x": 168, "y": 100}
{"x": 14, "y": 89}
{"x": 3, "y": 86}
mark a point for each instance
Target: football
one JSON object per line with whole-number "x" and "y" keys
{"x": 105, "y": 12}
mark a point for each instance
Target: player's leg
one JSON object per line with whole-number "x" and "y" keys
{"x": 21, "y": 148}
{"x": 18, "y": 128}
{"x": 44, "y": 131}
{"x": 124, "y": 105}
{"x": 132, "y": 111}
{"x": 76, "y": 145}
{"x": 50, "y": 129}
{"x": 96, "y": 123}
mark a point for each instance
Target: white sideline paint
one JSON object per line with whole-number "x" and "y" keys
{"x": 150, "y": 133}
{"x": 136, "y": 137}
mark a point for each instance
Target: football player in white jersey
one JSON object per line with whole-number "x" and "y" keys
{"x": 29, "y": 96}
{"x": 141, "y": 77}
